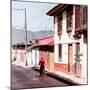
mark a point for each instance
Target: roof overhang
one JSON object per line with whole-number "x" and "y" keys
{"x": 57, "y": 9}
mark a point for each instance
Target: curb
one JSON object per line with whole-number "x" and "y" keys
{"x": 63, "y": 79}
{"x": 58, "y": 77}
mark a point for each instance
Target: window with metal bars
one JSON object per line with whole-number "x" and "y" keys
{"x": 60, "y": 52}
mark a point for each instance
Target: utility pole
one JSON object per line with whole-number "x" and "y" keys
{"x": 26, "y": 34}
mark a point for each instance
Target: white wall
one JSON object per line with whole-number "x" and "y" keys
{"x": 64, "y": 38}
{"x": 83, "y": 48}
{"x": 21, "y": 58}
{"x": 29, "y": 58}
{"x": 37, "y": 56}
{"x": 56, "y": 42}
{"x": 33, "y": 57}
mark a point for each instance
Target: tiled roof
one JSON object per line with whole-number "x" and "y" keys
{"x": 43, "y": 42}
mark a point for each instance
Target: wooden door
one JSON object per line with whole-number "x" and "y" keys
{"x": 48, "y": 60}
{"x": 70, "y": 59}
{"x": 52, "y": 61}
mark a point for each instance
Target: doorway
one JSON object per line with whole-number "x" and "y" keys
{"x": 70, "y": 57}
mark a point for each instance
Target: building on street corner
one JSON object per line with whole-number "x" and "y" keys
{"x": 70, "y": 40}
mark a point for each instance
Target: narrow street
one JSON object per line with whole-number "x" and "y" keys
{"x": 26, "y": 78}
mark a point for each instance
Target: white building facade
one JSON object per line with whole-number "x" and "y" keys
{"x": 70, "y": 49}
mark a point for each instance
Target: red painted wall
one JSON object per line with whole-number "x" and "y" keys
{"x": 64, "y": 68}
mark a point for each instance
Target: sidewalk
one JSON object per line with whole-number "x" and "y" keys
{"x": 72, "y": 80}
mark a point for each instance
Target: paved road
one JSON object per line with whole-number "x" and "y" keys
{"x": 26, "y": 78}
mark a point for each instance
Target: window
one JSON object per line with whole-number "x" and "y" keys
{"x": 77, "y": 16}
{"x": 59, "y": 21}
{"x": 60, "y": 52}
{"x": 81, "y": 16}
{"x": 84, "y": 15}
{"x": 69, "y": 17}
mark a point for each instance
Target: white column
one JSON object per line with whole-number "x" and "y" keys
{"x": 56, "y": 26}
{"x": 56, "y": 52}
{"x": 33, "y": 57}
{"x": 64, "y": 39}
{"x": 65, "y": 53}
{"x": 73, "y": 32}
{"x": 56, "y": 41}
{"x": 37, "y": 56}
{"x": 64, "y": 36}
{"x": 84, "y": 60}
{"x": 73, "y": 21}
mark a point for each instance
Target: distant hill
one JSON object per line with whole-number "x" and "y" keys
{"x": 18, "y": 35}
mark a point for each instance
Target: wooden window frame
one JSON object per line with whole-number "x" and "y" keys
{"x": 59, "y": 22}
{"x": 81, "y": 17}
{"x": 69, "y": 13}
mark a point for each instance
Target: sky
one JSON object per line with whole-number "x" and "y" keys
{"x": 36, "y": 15}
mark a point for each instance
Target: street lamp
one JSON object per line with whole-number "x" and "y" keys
{"x": 25, "y": 26}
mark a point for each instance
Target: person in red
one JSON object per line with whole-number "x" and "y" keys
{"x": 42, "y": 66}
